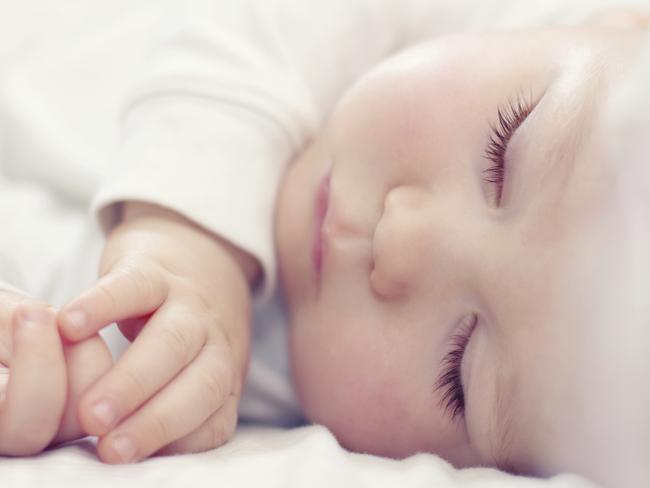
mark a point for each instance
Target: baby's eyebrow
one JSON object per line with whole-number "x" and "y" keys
{"x": 575, "y": 99}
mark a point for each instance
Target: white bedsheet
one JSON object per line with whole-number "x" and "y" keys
{"x": 302, "y": 457}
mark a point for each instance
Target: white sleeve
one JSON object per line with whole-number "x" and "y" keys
{"x": 235, "y": 89}
{"x": 12, "y": 277}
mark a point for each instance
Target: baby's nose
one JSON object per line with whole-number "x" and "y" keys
{"x": 402, "y": 242}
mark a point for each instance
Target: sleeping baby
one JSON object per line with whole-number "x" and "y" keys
{"x": 453, "y": 248}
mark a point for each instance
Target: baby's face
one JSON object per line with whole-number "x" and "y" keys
{"x": 444, "y": 268}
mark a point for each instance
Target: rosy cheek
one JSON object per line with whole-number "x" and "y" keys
{"x": 368, "y": 405}
{"x": 376, "y": 397}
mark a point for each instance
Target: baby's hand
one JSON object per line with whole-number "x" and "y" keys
{"x": 182, "y": 295}
{"x": 41, "y": 378}
{"x": 32, "y": 376}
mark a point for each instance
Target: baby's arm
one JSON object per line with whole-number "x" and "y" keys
{"x": 182, "y": 294}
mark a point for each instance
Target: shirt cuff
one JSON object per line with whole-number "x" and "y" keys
{"x": 219, "y": 168}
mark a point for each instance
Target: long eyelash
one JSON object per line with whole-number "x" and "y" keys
{"x": 450, "y": 381}
{"x": 510, "y": 117}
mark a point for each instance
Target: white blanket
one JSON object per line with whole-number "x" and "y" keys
{"x": 303, "y": 457}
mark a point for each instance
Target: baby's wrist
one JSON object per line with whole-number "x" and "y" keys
{"x": 246, "y": 263}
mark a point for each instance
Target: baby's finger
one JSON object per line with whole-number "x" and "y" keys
{"x": 170, "y": 341}
{"x": 128, "y": 291}
{"x": 9, "y": 300}
{"x": 86, "y": 361}
{"x": 214, "y": 432}
{"x": 200, "y": 390}
{"x": 36, "y": 393}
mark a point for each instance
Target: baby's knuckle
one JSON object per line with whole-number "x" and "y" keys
{"x": 178, "y": 341}
{"x": 201, "y": 307}
{"x": 161, "y": 429}
{"x": 198, "y": 306}
{"x": 107, "y": 294}
{"x": 215, "y": 387}
{"x": 132, "y": 384}
{"x": 143, "y": 278}
{"x": 205, "y": 305}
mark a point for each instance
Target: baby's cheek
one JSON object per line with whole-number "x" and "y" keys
{"x": 351, "y": 386}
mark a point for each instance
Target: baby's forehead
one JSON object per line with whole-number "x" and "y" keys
{"x": 449, "y": 72}
{"x": 440, "y": 86}
{"x": 423, "y": 96}
{"x": 462, "y": 62}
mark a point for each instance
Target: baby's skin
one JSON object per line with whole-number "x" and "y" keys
{"x": 450, "y": 246}
{"x": 38, "y": 399}
{"x": 182, "y": 295}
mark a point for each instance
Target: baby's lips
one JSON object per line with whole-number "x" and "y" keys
{"x": 4, "y": 381}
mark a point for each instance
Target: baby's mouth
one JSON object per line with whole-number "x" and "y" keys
{"x": 321, "y": 208}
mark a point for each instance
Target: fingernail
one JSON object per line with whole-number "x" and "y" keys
{"x": 77, "y": 319}
{"x": 125, "y": 448}
{"x": 105, "y": 413}
{"x": 36, "y": 317}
